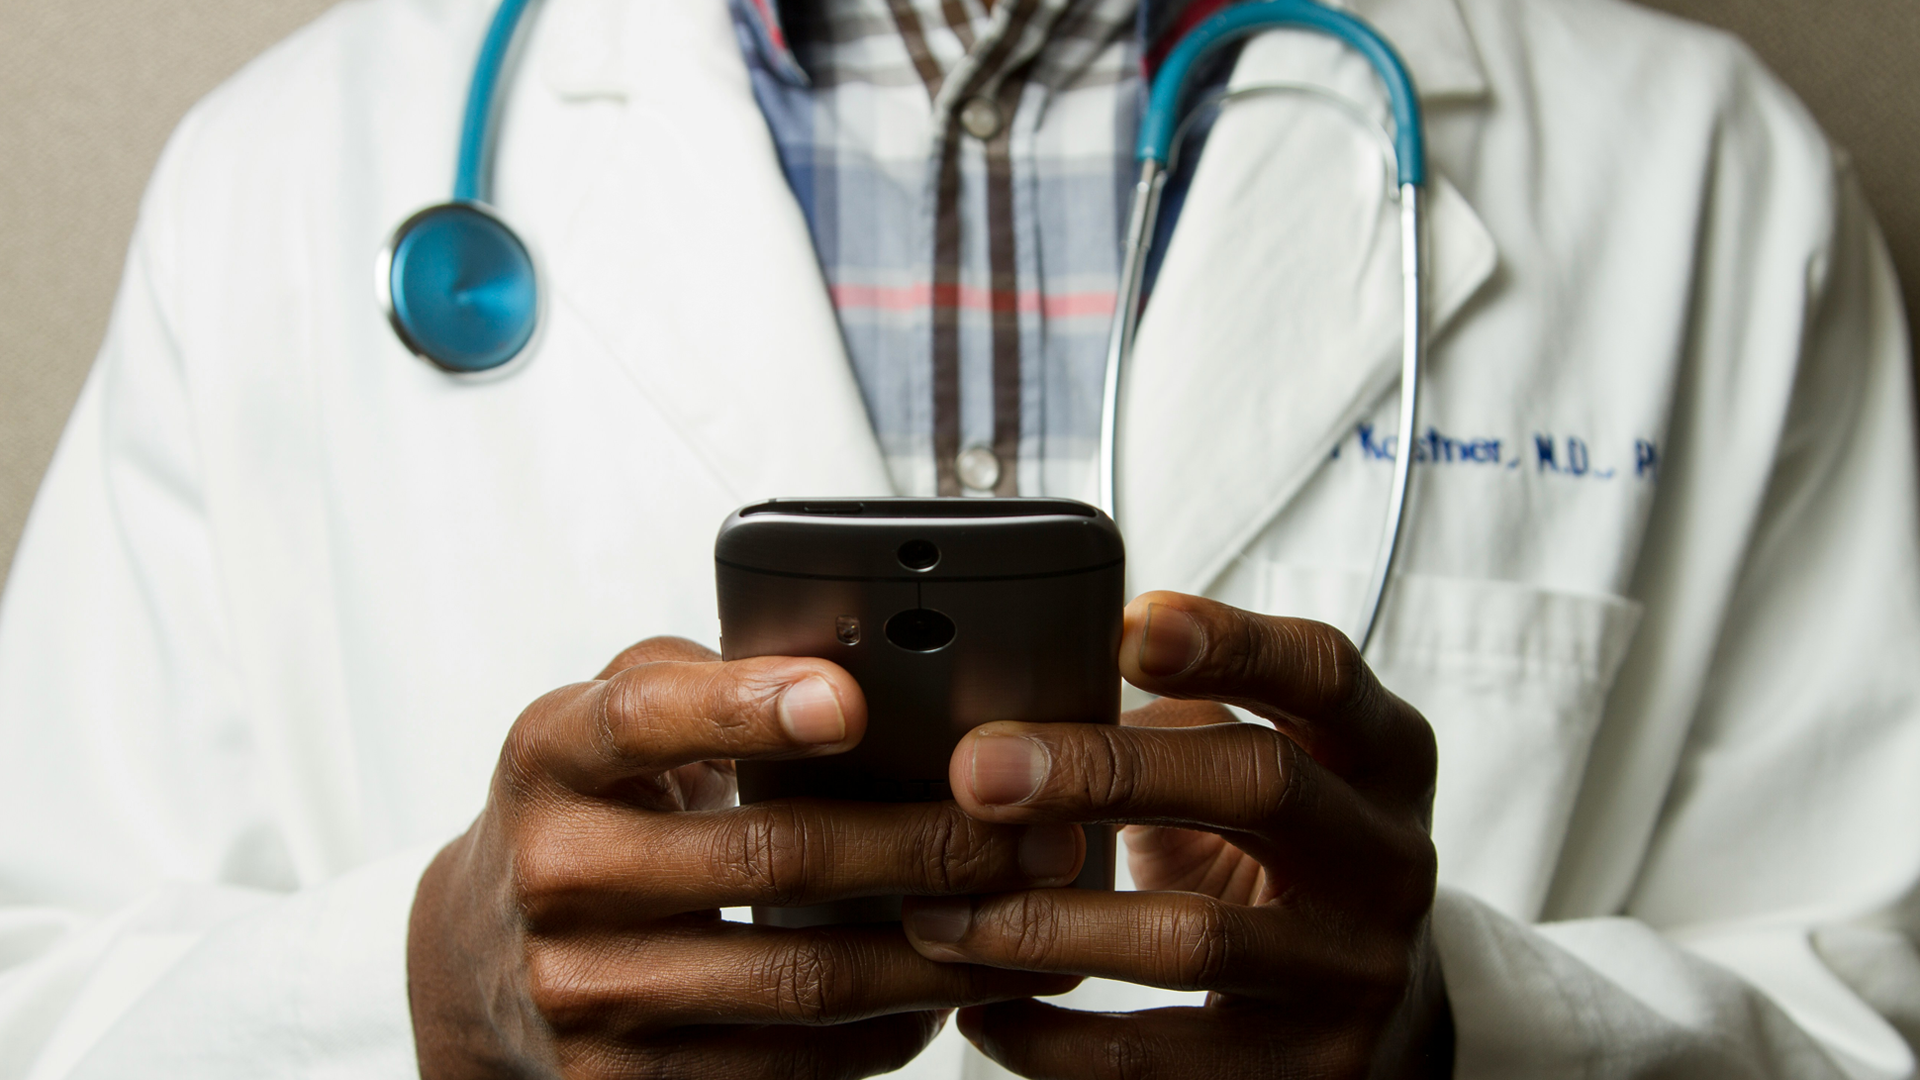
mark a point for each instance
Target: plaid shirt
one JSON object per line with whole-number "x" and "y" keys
{"x": 965, "y": 176}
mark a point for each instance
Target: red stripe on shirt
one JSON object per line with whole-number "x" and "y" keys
{"x": 772, "y": 23}
{"x": 971, "y": 298}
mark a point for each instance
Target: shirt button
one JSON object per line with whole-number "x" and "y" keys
{"x": 981, "y": 117}
{"x": 979, "y": 468}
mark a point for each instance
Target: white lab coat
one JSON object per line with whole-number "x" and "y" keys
{"x": 286, "y": 587}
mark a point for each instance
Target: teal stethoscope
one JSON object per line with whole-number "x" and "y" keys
{"x": 459, "y": 286}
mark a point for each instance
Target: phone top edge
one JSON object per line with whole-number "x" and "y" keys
{"x": 909, "y": 577}
{"x": 872, "y": 539}
{"x": 894, "y": 507}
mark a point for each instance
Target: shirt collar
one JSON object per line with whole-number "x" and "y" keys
{"x": 785, "y": 35}
{"x": 584, "y": 54}
{"x": 1430, "y": 35}
{"x": 768, "y": 24}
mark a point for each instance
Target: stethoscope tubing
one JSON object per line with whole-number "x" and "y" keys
{"x": 1162, "y": 132}
{"x": 471, "y": 175}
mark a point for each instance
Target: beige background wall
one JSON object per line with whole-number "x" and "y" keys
{"x": 90, "y": 88}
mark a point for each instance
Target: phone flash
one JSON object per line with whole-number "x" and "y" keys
{"x": 847, "y": 629}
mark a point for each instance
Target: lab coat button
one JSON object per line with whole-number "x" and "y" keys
{"x": 981, "y": 117}
{"x": 978, "y": 468}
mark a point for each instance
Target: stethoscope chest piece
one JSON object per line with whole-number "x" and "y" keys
{"x": 459, "y": 288}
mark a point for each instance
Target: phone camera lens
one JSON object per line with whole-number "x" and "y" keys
{"x": 920, "y": 630}
{"x": 919, "y": 554}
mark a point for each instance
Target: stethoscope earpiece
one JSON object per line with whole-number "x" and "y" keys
{"x": 459, "y": 288}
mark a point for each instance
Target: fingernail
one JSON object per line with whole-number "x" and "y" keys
{"x": 1008, "y": 769}
{"x": 810, "y": 712}
{"x": 1049, "y": 852}
{"x": 1170, "y": 641}
{"x": 941, "y": 920}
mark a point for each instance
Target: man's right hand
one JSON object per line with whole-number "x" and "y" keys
{"x": 575, "y": 928}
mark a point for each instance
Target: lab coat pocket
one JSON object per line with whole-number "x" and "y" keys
{"x": 1513, "y": 678}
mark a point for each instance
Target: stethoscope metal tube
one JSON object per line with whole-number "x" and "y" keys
{"x": 1412, "y": 357}
{"x": 1160, "y": 136}
{"x": 1126, "y": 320}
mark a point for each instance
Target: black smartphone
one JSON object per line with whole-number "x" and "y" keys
{"x": 950, "y": 613}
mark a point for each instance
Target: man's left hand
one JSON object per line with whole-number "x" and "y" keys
{"x": 1291, "y": 870}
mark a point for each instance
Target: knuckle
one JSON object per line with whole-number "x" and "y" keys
{"x": 630, "y": 706}
{"x": 522, "y": 766}
{"x": 809, "y": 980}
{"x": 635, "y": 706}
{"x": 519, "y": 769}
{"x": 547, "y": 877}
{"x": 950, "y": 860}
{"x": 1247, "y": 656}
{"x": 557, "y": 991}
{"x": 619, "y": 701}
{"x": 769, "y": 855}
{"x": 1113, "y": 775}
{"x": 1198, "y": 946}
{"x": 731, "y": 701}
{"x": 1126, "y": 1054}
{"x": 1033, "y": 931}
{"x": 1338, "y": 672}
{"x": 1278, "y": 778}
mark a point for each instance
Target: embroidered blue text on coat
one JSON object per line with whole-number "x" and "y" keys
{"x": 1574, "y": 457}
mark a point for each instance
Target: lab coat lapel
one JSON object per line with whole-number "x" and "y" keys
{"x": 1275, "y": 322}
{"x": 689, "y": 264}
{"x": 1432, "y": 39}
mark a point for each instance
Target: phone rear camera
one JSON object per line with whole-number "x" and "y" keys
{"x": 920, "y": 630}
{"x": 919, "y": 554}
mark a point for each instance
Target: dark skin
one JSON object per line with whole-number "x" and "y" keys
{"x": 1287, "y": 872}
{"x": 574, "y": 930}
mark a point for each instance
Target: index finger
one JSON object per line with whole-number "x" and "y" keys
{"x": 1245, "y": 781}
{"x": 1306, "y": 677}
{"x": 664, "y": 714}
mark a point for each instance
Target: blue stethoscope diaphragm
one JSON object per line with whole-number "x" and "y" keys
{"x": 460, "y": 288}
{"x": 457, "y": 283}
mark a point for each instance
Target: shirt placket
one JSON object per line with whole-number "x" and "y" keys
{"x": 976, "y": 261}
{"x": 943, "y": 303}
